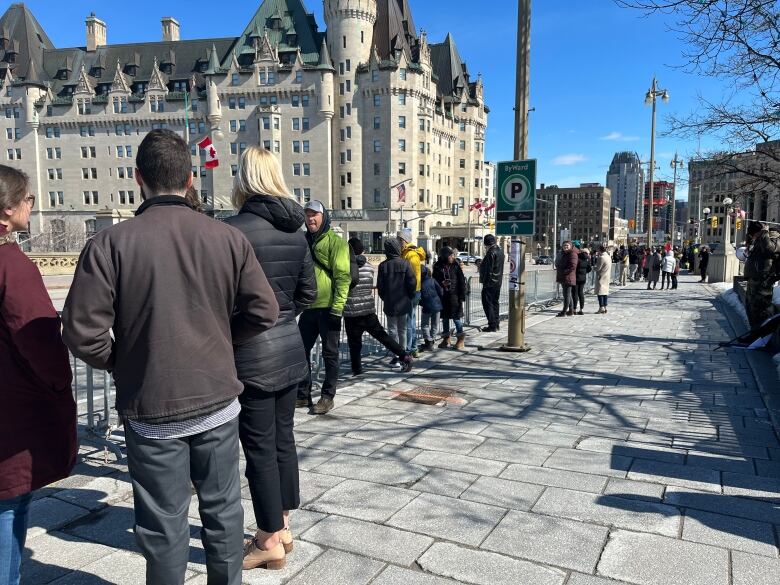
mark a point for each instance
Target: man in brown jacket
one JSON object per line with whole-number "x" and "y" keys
{"x": 158, "y": 300}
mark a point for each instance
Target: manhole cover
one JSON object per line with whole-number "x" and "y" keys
{"x": 429, "y": 395}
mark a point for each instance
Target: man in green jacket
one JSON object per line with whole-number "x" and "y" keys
{"x": 323, "y": 318}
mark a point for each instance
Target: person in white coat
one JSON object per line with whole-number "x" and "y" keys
{"x": 603, "y": 278}
{"x": 668, "y": 266}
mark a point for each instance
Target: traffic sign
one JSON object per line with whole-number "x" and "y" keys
{"x": 516, "y": 198}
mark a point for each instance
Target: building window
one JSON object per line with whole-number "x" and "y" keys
{"x": 305, "y": 123}
{"x": 297, "y": 169}
{"x": 296, "y": 123}
{"x": 374, "y": 75}
{"x": 84, "y": 107}
{"x": 233, "y": 170}
{"x": 306, "y": 169}
{"x": 402, "y": 145}
{"x": 377, "y": 146}
{"x": 401, "y": 168}
{"x": 377, "y": 100}
{"x": 306, "y": 146}
{"x": 402, "y": 121}
{"x": 242, "y": 125}
{"x": 377, "y": 169}
{"x": 377, "y": 197}
{"x": 242, "y": 103}
{"x": 157, "y": 103}
{"x": 296, "y": 100}
{"x": 235, "y": 79}
{"x": 402, "y": 98}
{"x": 298, "y": 76}
{"x": 231, "y": 103}
{"x": 377, "y": 122}
{"x": 463, "y": 145}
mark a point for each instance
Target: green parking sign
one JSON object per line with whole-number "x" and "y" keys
{"x": 516, "y": 198}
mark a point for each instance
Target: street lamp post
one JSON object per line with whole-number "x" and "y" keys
{"x": 650, "y": 98}
{"x": 677, "y": 163}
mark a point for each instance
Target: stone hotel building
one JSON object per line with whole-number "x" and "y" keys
{"x": 350, "y": 113}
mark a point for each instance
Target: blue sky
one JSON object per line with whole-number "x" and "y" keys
{"x": 592, "y": 63}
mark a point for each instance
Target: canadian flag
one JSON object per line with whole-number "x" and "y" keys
{"x": 490, "y": 207}
{"x": 477, "y": 205}
{"x": 212, "y": 160}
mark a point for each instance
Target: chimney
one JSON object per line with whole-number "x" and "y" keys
{"x": 96, "y": 32}
{"x": 170, "y": 27}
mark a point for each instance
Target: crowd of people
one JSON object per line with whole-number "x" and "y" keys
{"x": 207, "y": 329}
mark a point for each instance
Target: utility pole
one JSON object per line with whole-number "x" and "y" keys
{"x": 516, "y": 336}
{"x": 677, "y": 163}
{"x": 650, "y": 99}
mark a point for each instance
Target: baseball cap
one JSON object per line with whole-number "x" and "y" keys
{"x": 315, "y": 206}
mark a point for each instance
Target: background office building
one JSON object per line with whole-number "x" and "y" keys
{"x": 625, "y": 180}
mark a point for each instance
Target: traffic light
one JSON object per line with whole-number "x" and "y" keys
{"x": 714, "y": 222}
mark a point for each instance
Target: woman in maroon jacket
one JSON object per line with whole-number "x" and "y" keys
{"x": 38, "y": 414}
{"x": 567, "y": 277}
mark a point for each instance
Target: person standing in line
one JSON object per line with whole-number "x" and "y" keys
{"x": 449, "y": 275}
{"x": 668, "y": 267}
{"x": 653, "y": 268}
{"x": 624, "y": 260}
{"x": 272, "y": 364}
{"x": 645, "y": 264}
{"x": 633, "y": 262}
{"x": 761, "y": 272}
{"x": 704, "y": 260}
{"x": 397, "y": 286}
{"x": 360, "y": 316}
{"x": 332, "y": 267}
{"x": 38, "y": 443}
{"x": 160, "y": 300}
{"x": 491, "y": 276}
{"x": 431, "y": 298}
{"x": 583, "y": 269}
{"x": 603, "y": 278}
{"x": 415, "y": 256}
{"x": 567, "y": 277}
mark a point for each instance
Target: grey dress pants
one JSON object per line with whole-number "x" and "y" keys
{"x": 162, "y": 473}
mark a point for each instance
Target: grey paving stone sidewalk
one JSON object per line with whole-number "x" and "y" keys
{"x": 621, "y": 449}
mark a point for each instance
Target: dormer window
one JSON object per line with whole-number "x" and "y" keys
{"x": 63, "y": 74}
{"x": 292, "y": 38}
{"x": 275, "y": 22}
{"x": 131, "y": 70}
{"x": 202, "y": 66}
{"x": 166, "y": 68}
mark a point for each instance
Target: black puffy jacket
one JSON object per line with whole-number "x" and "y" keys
{"x": 396, "y": 282}
{"x": 275, "y": 360}
{"x": 453, "y": 282}
{"x": 491, "y": 271}
{"x": 360, "y": 301}
{"x": 583, "y": 267}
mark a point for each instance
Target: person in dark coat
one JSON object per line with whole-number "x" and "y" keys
{"x": 272, "y": 364}
{"x": 491, "y": 277}
{"x": 38, "y": 416}
{"x": 583, "y": 269}
{"x": 396, "y": 285}
{"x": 449, "y": 275}
{"x": 704, "y": 261}
{"x": 567, "y": 277}
{"x": 761, "y": 272}
{"x": 431, "y": 295}
{"x": 360, "y": 316}
{"x": 654, "y": 263}
{"x": 160, "y": 300}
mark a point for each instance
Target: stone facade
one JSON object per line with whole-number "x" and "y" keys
{"x": 586, "y": 209}
{"x": 350, "y": 113}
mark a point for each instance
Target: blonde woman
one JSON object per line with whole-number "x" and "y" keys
{"x": 272, "y": 364}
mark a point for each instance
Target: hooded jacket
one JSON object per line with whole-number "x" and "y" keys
{"x": 415, "y": 255}
{"x": 396, "y": 283}
{"x": 361, "y": 298}
{"x": 177, "y": 289}
{"x": 431, "y": 293}
{"x": 275, "y": 359}
{"x": 330, "y": 253}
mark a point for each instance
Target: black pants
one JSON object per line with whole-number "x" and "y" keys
{"x": 314, "y": 323}
{"x": 356, "y": 326}
{"x": 568, "y": 297}
{"x": 490, "y": 296}
{"x": 703, "y": 272}
{"x": 162, "y": 472}
{"x": 578, "y": 294}
{"x": 266, "y": 431}
{"x": 758, "y": 302}
{"x": 666, "y": 279}
{"x": 674, "y": 281}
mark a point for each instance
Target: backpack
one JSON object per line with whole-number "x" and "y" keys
{"x": 354, "y": 269}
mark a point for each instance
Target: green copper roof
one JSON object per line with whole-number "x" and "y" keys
{"x": 292, "y": 17}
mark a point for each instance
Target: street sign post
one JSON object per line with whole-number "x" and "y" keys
{"x": 516, "y": 198}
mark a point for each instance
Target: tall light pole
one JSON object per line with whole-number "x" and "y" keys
{"x": 677, "y": 163}
{"x": 516, "y": 326}
{"x": 650, "y": 97}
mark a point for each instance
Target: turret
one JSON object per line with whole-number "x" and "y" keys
{"x": 326, "y": 90}
{"x": 350, "y": 26}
